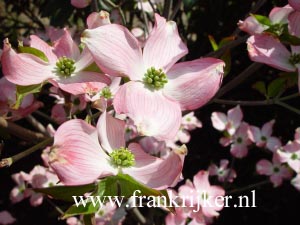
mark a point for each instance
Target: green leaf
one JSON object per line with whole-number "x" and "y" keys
{"x": 291, "y": 78}
{"x": 262, "y": 19}
{"x": 33, "y": 51}
{"x": 289, "y": 39}
{"x": 213, "y": 43}
{"x": 66, "y": 192}
{"x": 260, "y": 86}
{"x": 23, "y": 91}
{"x": 276, "y": 86}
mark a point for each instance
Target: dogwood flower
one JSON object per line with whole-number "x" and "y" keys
{"x": 158, "y": 90}
{"x": 81, "y": 155}
{"x": 262, "y": 137}
{"x": 223, "y": 172}
{"x": 296, "y": 182}
{"x": 229, "y": 122}
{"x": 239, "y": 141}
{"x": 278, "y": 17}
{"x": 200, "y": 191}
{"x": 274, "y": 169}
{"x": 267, "y": 49}
{"x": 63, "y": 66}
{"x": 290, "y": 154}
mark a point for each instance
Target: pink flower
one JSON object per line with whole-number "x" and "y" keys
{"x": 239, "y": 141}
{"x": 40, "y": 177}
{"x": 274, "y": 169}
{"x": 223, "y": 173}
{"x": 64, "y": 66}
{"x": 6, "y": 218}
{"x": 19, "y": 192}
{"x": 209, "y": 195}
{"x": 8, "y": 100}
{"x": 80, "y": 3}
{"x": 267, "y": 49}
{"x": 153, "y": 146}
{"x": 262, "y": 137}
{"x": 278, "y": 16}
{"x": 81, "y": 155}
{"x": 290, "y": 154}
{"x": 229, "y": 122}
{"x": 158, "y": 89}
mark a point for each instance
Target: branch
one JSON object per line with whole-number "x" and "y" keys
{"x": 21, "y": 132}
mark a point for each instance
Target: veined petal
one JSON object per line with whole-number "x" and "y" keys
{"x": 76, "y": 156}
{"x": 115, "y": 50}
{"x": 164, "y": 46}
{"x": 24, "y": 69}
{"x": 111, "y": 132}
{"x": 194, "y": 83}
{"x": 156, "y": 172}
{"x": 152, "y": 113}
{"x": 84, "y": 60}
{"x": 77, "y": 83}
{"x": 266, "y": 49}
{"x": 41, "y": 45}
{"x": 65, "y": 46}
{"x": 296, "y": 5}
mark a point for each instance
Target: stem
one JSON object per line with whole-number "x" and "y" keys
{"x": 9, "y": 161}
{"x": 152, "y": 6}
{"x": 227, "y": 46}
{"x": 59, "y": 210}
{"x": 45, "y": 116}
{"x": 145, "y": 18}
{"x": 251, "y": 186}
{"x": 284, "y": 105}
{"x": 20, "y": 132}
{"x": 239, "y": 79}
{"x": 37, "y": 125}
{"x": 167, "y": 8}
{"x": 176, "y": 9}
{"x": 94, "y": 6}
{"x": 245, "y": 103}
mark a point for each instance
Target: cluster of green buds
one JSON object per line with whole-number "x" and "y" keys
{"x": 122, "y": 158}
{"x": 155, "y": 78}
{"x": 65, "y": 66}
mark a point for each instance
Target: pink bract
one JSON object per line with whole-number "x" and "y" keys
{"x": 155, "y": 112}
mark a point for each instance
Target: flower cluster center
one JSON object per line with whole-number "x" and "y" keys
{"x": 106, "y": 93}
{"x": 294, "y": 59}
{"x": 122, "y": 158}
{"x": 155, "y": 78}
{"x": 65, "y": 66}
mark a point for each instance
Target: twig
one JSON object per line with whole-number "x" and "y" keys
{"x": 145, "y": 18}
{"x": 284, "y": 105}
{"x": 21, "y": 132}
{"x": 175, "y": 10}
{"x": 37, "y": 125}
{"x": 94, "y": 6}
{"x": 239, "y": 79}
{"x": 251, "y": 186}
{"x": 167, "y": 8}
{"x": 9, "y": 161}
{"x": 137, "y": 214}
{"x": 119, "y": 9}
